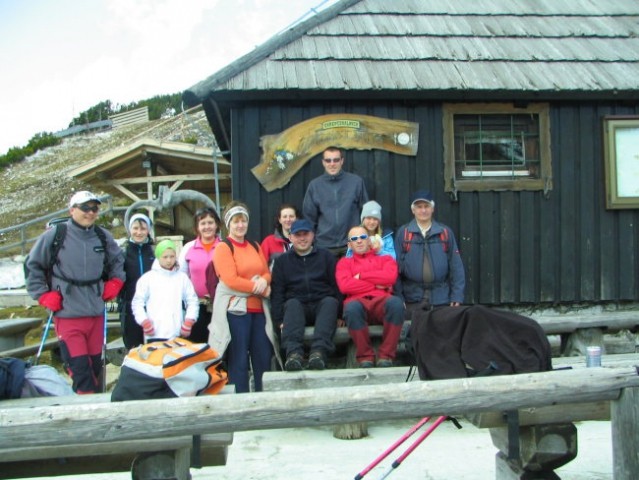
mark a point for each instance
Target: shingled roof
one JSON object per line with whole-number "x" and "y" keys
{"x": 540, "y": 48}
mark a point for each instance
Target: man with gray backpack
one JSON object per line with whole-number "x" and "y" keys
{"x": 73, "y": 268}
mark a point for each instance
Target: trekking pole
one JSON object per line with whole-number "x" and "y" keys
{"x": 103, "y": 381}
{"x": 390, "y": 449}
{"x": 415, "y": 444}
{"x": 44, "y": 338}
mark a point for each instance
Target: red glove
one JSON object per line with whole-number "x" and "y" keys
{"x": 111, "y": 289}
{"x": 185, "y": 331}
{"x": 147, "y": 326}
{"x": 51, "y": 300}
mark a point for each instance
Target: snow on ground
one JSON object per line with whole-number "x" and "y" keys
{"x": 11, "y": 273}
{"x": 313, "y": 453}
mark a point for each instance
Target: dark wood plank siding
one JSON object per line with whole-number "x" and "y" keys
{"x": 517, "y": 247}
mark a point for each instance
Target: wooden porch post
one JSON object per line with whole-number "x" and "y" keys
{"x": 624, "y": 414}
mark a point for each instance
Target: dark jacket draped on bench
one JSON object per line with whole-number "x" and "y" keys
{"x": 456, "y": 342}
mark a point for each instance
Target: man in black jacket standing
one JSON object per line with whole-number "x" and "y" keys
{"x": 304, "y": 292}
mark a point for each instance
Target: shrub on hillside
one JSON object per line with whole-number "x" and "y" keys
{"x": 39, "y": 141}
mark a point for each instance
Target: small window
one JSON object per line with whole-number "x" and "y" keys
{"x": 496, "y": 147}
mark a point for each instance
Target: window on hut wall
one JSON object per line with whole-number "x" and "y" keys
{"x": 497, "y": 147}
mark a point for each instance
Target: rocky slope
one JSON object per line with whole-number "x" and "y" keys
{"x": 41, "y": 184}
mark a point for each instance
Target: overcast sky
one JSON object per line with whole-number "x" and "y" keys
{"x": 60, "y": 57}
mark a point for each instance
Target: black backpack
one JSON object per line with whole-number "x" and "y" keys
{"x": 11, "y": 377}
{"x": 58, "y": 240}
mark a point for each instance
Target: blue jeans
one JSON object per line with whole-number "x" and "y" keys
{"x": 248, "y": 340}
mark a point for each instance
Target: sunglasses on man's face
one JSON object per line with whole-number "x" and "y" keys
{"x": 332, "y": 160}
{"x": 88, "y": 208}
{"x": 363, "y": 236}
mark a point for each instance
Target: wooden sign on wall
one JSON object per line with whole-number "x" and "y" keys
{"x": 284, "y": 154}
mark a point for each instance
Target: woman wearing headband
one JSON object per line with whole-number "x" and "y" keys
{"x": 196, "y": 260}
{"x": 138, "y": 258}
{"x": 241, "y": 316}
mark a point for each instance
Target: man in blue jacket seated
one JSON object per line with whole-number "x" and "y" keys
{"x": 431, "y": 272}
{"x": 304, "y": 292}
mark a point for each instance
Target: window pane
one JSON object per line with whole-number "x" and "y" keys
{"x": 496, "y": 145}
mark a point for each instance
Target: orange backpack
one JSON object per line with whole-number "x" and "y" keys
{"x": 184, "y": 368}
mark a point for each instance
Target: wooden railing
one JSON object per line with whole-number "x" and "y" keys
{"x": 107, "y": 207}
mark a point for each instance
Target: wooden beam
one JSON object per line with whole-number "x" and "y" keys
{"x": 170, "y": 178}
{"x": 125, "y": 190}
{"x": 625, "y": 435}
{"x": 176, "y": 185}
{"x": 105, "y": 422}
{"x": 345, "y": 377}
{"x": 614, "y": 321}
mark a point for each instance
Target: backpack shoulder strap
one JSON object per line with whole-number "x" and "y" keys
{"x": 444, "y": 237}
{"x": 252, "y": 242}
{"x": 99, "y": 231}
{"x": 230, "y": 244}
{"x": 408, "y": 240}
{"x": 58, "y": 240}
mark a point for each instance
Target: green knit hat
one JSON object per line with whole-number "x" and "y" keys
{"x": 163, "y": 245}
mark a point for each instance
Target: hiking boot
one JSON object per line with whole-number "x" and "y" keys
{"x": 294, "y": 362}
{"x": 366, "y": 364}
{"x": 384, "y": 363}
{"x": 316, "y": 361}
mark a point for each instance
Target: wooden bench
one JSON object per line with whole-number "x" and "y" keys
{"x": 98, "y": 423}
{"x": 19, "y": 350}
{"x": 160, "y": 457}
{"x": 576, "y": 331}
{"x": 539, "y": 439}
{"x": 13, "y": 330}
{"x": 567, "y": 333}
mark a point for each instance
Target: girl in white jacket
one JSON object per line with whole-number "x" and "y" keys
{"x": 159, "y": 294}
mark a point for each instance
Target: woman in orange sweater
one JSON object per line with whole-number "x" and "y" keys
{"x": 242, "y": 292}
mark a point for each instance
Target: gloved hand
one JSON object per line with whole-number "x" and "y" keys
{"x": 187, "y": 326}
{"x": 111, "y": 289}
{"x": 51, "y": 300}
{"x": 149, "y": 329}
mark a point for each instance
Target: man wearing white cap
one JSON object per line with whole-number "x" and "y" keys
{"x": 86, "y": 271}
{"x": 431, "y": 272}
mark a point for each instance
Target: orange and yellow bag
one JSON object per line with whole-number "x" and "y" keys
{"x": 171, "y": 368}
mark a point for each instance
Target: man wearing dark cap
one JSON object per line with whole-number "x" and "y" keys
{"x": 431, "y": 272}
{"x": 304, "y": 293}
{"x": 88, "y": 272}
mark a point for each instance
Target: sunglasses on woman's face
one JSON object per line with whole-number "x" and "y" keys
{"x": 363, "y": 236}
{"x": 88, "y": 208}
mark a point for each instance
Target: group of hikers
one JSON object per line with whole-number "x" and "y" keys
{"x": 328, "y": 265}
